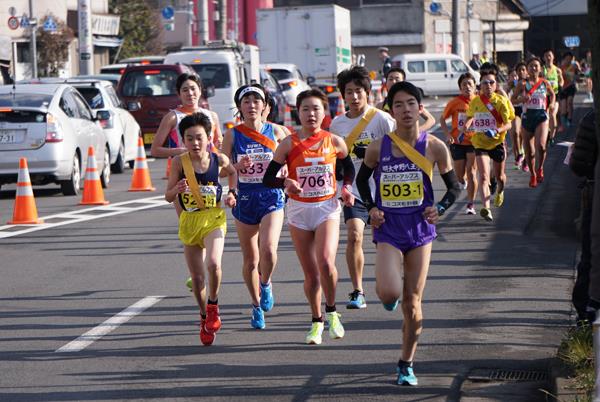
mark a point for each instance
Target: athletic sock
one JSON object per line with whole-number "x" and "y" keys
{"x": 329, "y": 309}
{"x": 402, "y": 363}
{"x": 213, "y": 302}
{"x": 317, "y": 319}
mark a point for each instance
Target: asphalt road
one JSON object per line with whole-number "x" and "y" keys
{"x": 497, "y": 298}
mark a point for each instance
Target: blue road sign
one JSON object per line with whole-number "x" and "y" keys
{"x": 435, "y": 7}
{"x": 168, "y": 13}
{"x": 50, "y": 24}
{"x": 24, "y": 21}
{"x": 572, "y": 41}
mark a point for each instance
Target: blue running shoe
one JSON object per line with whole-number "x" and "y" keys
{"x": 390, "y": 306}
{"x": 266, "y": 297}
{"x": 406, "y": 376}
{"x": 357, "y": 300}
{"x": 258, "y": 318}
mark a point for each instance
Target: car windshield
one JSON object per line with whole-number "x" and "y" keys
{"x": 92, "y": 96}
{"x": 150, "y": 83}
{"x": 25, "y": 100}
{"x": 281, "y": 74}
{"x": 214, "y": 75}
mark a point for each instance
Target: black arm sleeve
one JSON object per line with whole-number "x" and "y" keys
{"x": 362, "y": 182}
{"x": 270, "y": 178}
{"x": 348, "y": 169}
{"x": 451, "y": 182}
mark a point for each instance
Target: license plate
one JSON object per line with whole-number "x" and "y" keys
{"x": 148, "y": 138}
{"x": 11, "y": 136}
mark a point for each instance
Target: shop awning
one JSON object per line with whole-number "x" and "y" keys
{"x": 106, "y": 41}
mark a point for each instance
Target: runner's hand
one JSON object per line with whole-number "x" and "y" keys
{"x": 292, "y": 186}
{"x": 182, "y": 186}
{"x": 230, "y": 200}
{"x": 244, "y": 163}
{"x": 347, "y": 197}
{"x": 431, "y": 215}
{"x": 376, "y": 217}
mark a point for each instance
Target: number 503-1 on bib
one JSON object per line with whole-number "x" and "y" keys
{"x": 401, "y": 189}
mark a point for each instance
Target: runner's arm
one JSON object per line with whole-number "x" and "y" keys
{"x": 176, "y": 184}
{"x": 444, "y": 164}
{"x": 429, "y": 120}
{"x": 218, "y": 140}
{"x": 270, "y": 178}
{"x": 158, "y": 149}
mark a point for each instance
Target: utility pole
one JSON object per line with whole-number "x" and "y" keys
{"x": 86, "y": 50}
{"x": 33, "y": 44}
{"x": 455, "y": 20}
{"x": 222, "y": 25}
{"x": 236, "y": 29}
{"x": 202, "y": 22}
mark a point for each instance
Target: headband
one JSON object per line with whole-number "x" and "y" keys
{"x": 249, "y": 89}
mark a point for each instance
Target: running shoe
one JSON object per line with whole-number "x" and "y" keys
{"x": 533, "y": 181}
{"x": 518, "y": 162}
{"x": 207, "y": 338}
{"x": 314, "y": 336}
{"x": 390, "y": 306}
{"x": 525, "y": 168}
{"x": 213, "y": 321}
{"x": 266, "y": 297}
{"x": 357, "y": 300}
{"x": 499, "y": 199}
{"x": 540, "y": 175}
{"x": 406, "y": 376}
{"x": 470, "y": 209}
{"x": 258, "y": 318}
{"x": 551, "y": 142}
{"x": 493, "y": 186}
{"x": 189, "y": 284}
{"x": 486, "y": 214}
{"x": 336, "y": 329}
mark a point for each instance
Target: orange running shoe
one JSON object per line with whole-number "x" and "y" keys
{"x": 533, "y": 181}
{"x": 213, "y": 321}
{"x": 207, "y": 338}
{"x": 540, "y": 175}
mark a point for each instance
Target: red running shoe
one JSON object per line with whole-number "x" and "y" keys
{"x": 533, "y": 181}
{"x": 540, "y": 175}
{"x": 207, "y": 338}
{"x": 213, "y": 321}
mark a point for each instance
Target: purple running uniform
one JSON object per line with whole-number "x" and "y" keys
{"x": 402, "y": 192}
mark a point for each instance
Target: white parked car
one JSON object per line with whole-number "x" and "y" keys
{"x": 119, "y": 125}
{"x": 52, "y": 126}
{"x": 290, "y": 78}
{"x": 435, "y": 74}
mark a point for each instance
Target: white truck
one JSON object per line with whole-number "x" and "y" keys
{"x": 315, "y": 38}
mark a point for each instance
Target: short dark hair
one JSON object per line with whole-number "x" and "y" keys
{"x": 356, "y": 74}
{"x": 488, "y": 68}
{"x": 195, "y": 119}
{"x": 519, "y": 64}
{"x": 549, "y": 50}
{"x": 535, "y": 58}
{"x": 466, "y": 76}
{"x": 396, "y": 70}
{"x": 567, "y": 53}
{"x": 192, "y": 77}
{"x": 487, "y": 72}
{"x": 312, "y": 93}
{"x": 403, "y": 86}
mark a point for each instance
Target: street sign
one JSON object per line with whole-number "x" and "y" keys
{"x": 86, "y": 56}
{"x": 24, "y": 21}
{"x": 12, "y": 11}
{"x": 13, "y": 23}
{"x": 49, "y": 25}
{"x": 169, "y": 26}
{"x": 571, "y": 41}
{"x": 435, "y": 7}
{"x": 168, "y": 13}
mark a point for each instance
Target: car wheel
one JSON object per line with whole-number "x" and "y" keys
{"x": 119, "y": 165}
{"x": 105, "y": 176}
{"x": 71, "y": 186}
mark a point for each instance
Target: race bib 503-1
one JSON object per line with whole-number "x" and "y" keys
{"x": 401, "y": 190}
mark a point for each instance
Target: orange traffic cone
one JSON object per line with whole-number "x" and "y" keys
{"x": 341, "y": 108}
{"x": 168, "y": 170}
{"x": 24, "y": 211}
{"x": 92, "y": 188}
{"x": 140, "y": 181}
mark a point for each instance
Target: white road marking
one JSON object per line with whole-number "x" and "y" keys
{"x": 109, "y": 325}
{"x": 83, "y": 215}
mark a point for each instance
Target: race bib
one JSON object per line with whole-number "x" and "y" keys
{"x": 484, "y": 121}
{"x": 363, "y": 140}
{"x": 537, "y": 100}
{"x": 401, "y": 190}
{"x": 255, "y": 173}
{"x": 209, "y": 196}
{"x": 462, "y": 117}
{"x": 316, "y": 181}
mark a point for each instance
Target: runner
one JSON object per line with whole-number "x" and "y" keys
{"x": 554, "y": 76}
{"x": 515, "y": 131}
{"x": 194, "y": 186}
{"x": 398, "y": 75}
{"x": 359, "y": 126}
{"x": 313, "y": 210}
{"x": 491, "y": 115}
{"x": 166, "y": 141}
{"x": 403, "y": 214}
{"x": 269, "y": 106}
{"x": 259, "y": 210}
{"x": 534, "y": 93}
{"x": 570, "y": 69}
{"x": 461, "y": 149}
